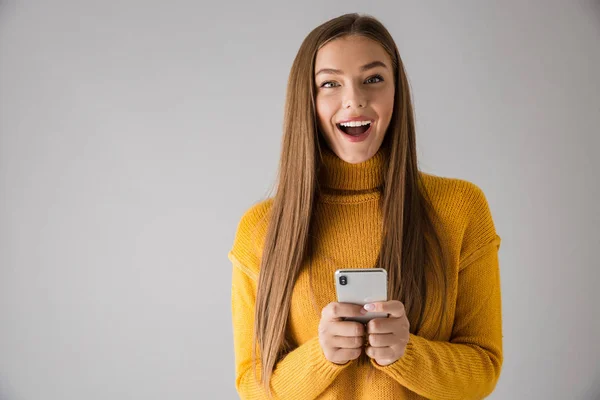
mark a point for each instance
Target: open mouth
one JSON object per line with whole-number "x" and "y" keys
{"x": 354, "y": 130}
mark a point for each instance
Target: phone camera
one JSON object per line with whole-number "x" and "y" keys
{"x": 343, "y": 280}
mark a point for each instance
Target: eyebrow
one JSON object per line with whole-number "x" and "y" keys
{"x": 365, "y": 67}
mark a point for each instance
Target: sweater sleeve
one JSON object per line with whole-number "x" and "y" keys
{"x": 468, "y": 365}
{"x": 304, "y": 373}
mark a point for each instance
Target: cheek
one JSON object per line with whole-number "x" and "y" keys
{"x": 325, "y": 110}
{"x": 389, "y": 100}
{"x": 385, "y": 105}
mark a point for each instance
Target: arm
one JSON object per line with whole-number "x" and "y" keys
{"x": 304, "y": 373}
{"x": 468, "y": 366}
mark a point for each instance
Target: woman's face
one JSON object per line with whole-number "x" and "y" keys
{"x": 354, "y": 81}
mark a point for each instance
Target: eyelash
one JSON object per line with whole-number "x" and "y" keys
{"x": 374, "y": 76}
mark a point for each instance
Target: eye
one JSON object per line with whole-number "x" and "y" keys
{"x": 379, "y": 77}
{"x": 376, "y": 77}
{"x": 325, "y": 83}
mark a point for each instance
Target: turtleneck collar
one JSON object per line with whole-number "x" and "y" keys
{"x": 338, "y": 175}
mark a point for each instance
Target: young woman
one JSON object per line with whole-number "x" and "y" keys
{"x": 350, "y": 195}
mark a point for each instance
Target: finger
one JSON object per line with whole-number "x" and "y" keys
{"x": 345, "y": 328}
{"x": 343, "y": 355}
{"x": 393, "y": 307}
{"x": 335, "y": 311}
{"x": 384, "y": 325}
{"x": 347, "y": 342}
{"x": 382, "y": 353}
{"x": 383, "y": 363}
{"x": 383, "y": 340}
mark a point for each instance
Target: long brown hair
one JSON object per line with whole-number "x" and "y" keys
{"x": 411, "y": 249}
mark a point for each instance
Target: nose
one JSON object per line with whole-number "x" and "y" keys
{"x": 354, "y": 98}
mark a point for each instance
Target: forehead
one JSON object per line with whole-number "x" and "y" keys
{"x": 349, "y": 53}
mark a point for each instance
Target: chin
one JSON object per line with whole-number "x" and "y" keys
{"x": 353, "y": 153}
{"x": 355, "y": 156}
{"x": 355, "y": 159}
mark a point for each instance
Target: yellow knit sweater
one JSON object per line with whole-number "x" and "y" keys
{"x": 466, "y": 364}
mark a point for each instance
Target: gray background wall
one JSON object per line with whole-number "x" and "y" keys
{"x": 134, "y": 134}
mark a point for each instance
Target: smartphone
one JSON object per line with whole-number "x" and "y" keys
{"x": 361, "y": 286}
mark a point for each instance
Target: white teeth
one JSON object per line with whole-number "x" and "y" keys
{"x": 355, "y": 123}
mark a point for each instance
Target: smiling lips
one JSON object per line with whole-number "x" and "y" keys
{"x": 354, "y": 128}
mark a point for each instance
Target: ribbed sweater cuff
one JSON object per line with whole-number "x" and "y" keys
{"x": 305, "y": 372}
{"x": 404, "y": 364}
{"x": 443, "y": 370}
{"x": 322, "y": 366}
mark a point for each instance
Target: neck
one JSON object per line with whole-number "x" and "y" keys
{"x": 339, "y": 175}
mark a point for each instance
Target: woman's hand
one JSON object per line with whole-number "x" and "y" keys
{"x": 387, "y": 337}
{"x": 341, "y": 341}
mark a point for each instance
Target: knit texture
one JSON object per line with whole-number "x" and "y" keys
{"x": 464, "y": 364}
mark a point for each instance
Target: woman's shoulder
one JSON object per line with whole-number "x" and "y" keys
{"x": 455, "y": 195}
{"x": 449, "y": 186}
{"x": 464, "y": 207}
{"x": 250, "y": 235}
{"x": 255, "y": 214}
